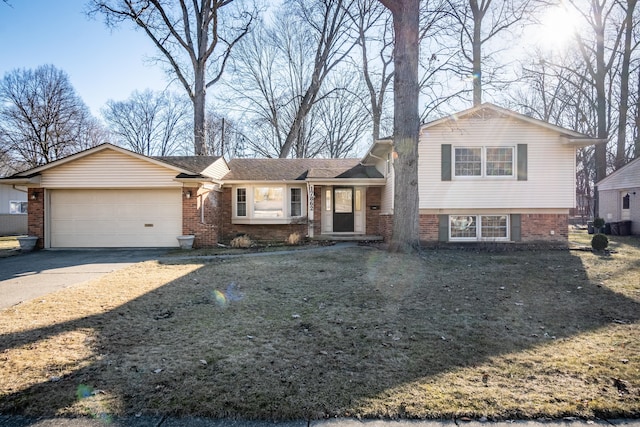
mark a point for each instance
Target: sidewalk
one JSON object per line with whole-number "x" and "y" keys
{"x": 18, "y": 421}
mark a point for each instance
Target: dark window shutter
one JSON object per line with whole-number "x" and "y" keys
{"x": 522, "y": 162}
{"x": 443, "y": 228}
{"x": 446, "y": 161}
{"x": 516, "y": 227}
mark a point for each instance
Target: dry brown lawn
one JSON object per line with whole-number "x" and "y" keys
{"x": 8, "y": 246}
{"x": 352, "y": 332}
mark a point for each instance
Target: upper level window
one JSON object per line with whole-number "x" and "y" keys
{"x": 17, "y": 207}
{"x": 484, "y": 161}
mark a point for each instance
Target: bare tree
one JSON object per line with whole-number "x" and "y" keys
{"x": 623, "y": 110}
{"x": 282, "y": 71}
{"x": 191, "y": 36}
{"x": 327, "y": 24}
{"x": 341, "y": 124}
{"x": 153, "y": 124}
{"x": 480, "y": 22}
{"x": 406, "y": 124}
{"x": 374, "y": 28}
{"x": 41, "y": 117}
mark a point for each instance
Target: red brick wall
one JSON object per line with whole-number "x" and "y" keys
{"x": 374, "y": 199}
{"x": 317, "y": 217}
{"x": 35, "y": 212}
{"x": 538, "y": 227}
{"x": 428, "y": 228}
{"x": 201, "y": 202}
{"x": 385, "y": 226}
{"x": 261, "y": 232}
{"x": 534, "y": 228}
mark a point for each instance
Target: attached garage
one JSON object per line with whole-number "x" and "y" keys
{"x": 115, "y": 218}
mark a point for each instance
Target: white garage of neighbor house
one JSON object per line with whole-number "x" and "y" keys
{"x": 111, "y": 197}
{"x": 619, "y": 196}
{"x": 13, "y": 210}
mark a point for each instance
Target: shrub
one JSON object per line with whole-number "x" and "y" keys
{"x": 599, "y": 242}
{"x": 293, "y": 239}
{"x": 598, "y": 223}
{"x": 243, "y": 241}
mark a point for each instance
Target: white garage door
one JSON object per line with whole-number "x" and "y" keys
{"x": 115, "y": 218}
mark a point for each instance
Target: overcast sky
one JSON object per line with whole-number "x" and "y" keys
{"x": 101, "y": 64}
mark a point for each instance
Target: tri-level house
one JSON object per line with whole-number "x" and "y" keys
{"x": 485, "y": 174}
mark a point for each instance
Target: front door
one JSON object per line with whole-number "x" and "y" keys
{"x": 343, "y": 209}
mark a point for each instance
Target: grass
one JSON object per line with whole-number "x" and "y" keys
{"x": 355, "y": 332}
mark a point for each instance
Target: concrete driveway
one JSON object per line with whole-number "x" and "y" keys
{"x": 32, "y": 275}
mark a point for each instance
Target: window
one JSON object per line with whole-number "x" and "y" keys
{"x": 484, "y": 161}
{"x": 241, "y": 202}
{"x": 499, "y": 161}
{"x": 478, "y": 227}
{"x": 296, "y": 202}
{"x": 625, "y": 201}
{"x": 17, "y": 207}
{"x": 468, "y": 161}
{"x": 267, "y": 202}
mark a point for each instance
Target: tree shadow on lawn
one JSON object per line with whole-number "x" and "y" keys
{"x": 314, "y": 336}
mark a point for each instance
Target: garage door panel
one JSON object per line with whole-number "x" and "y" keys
{"x": 115, "y": 218}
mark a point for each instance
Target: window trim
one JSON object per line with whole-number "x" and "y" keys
{"x": 238, "y": 202}
{"x": 22, "y": 203}
{"x": 483, "y": 162}
{"x": 298, "y": 202}
{"x": 478, "y": 222}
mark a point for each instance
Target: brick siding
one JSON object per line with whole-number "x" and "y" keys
{"x": 538, "y": 227}
{"x": 374, "y": 199}
{"x": 203, "y": 204}
{"x": 35, "y": 211}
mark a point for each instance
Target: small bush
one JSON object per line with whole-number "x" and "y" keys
{"x": 599, "y": 242}
{"x": 598, "y": 223}
{"x": 243, "y": 241}
{"x": 294, "y": 239}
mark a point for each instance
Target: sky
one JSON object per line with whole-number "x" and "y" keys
{"x": 102, "y": 64}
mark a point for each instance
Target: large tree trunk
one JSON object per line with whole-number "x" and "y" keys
{"x": 478, "y": 15}
{"x": 199, "y": 101}
{"x": 406, "y": 124}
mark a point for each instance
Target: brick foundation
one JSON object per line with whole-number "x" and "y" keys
{"x": 35, "y": 210}
{"x": 538, "y": 227}
{"x": 535, "y": 228}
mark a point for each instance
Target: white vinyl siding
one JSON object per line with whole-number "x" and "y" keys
{"x": 217, "y": 169}
{"x": 115, "y": 218}
{"x": 109, "y": 169}
{"x": 625, "y": 178}
{"x": 550, "y": 180}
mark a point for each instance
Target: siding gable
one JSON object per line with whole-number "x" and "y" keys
{"x": 109, "y": 169}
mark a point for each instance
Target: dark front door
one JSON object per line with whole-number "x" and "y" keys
{"x": 343, "y": 209}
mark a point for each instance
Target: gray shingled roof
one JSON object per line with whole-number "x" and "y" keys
{"x": 195, "y": 164}
{"x": 297, "y": 169}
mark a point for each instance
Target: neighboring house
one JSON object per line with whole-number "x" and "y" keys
{"x": 485, "y": 174}
{"x": 13, "y": 210}
{"x": 619, "y": 196}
